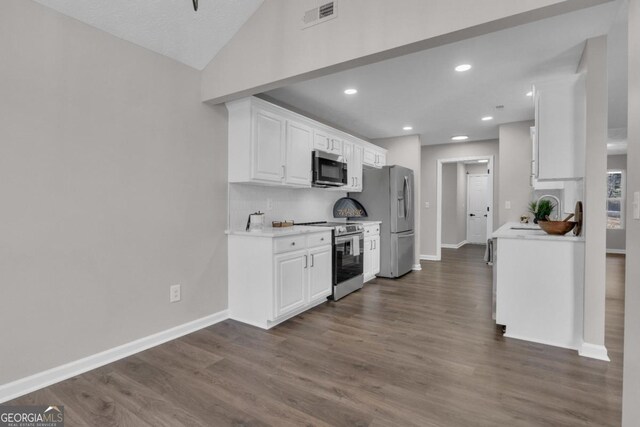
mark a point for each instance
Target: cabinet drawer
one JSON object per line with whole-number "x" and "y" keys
{"x": 290, "y": 243}
{"x": 372, "y": 230}
{"x": 318, "y": 239}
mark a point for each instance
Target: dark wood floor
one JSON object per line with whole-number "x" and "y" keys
{"x": 420, "y": 351}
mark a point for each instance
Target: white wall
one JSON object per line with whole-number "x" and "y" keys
{"x": 271, "y": 50}
{"x": 405, "y": 151}
{"x": 594, "y": 61}
{"x": 450, "y": 204}
{"x": 631, "y": 383}
{"x": 299, "y": 205}
{"x": 616, "y": 239}
{"x": 430, "y": 155}
{"x": 515, "y": 170}
{"x": 113, "y": 184}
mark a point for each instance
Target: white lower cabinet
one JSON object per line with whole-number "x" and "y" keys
{"x": 274, "y": 278}
{"x": 320, "y": 273}
{"x": 291, "y": 272}
{"x": 371, "y": 265}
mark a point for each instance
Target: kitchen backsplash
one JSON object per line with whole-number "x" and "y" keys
{"x": 300, "y": 205}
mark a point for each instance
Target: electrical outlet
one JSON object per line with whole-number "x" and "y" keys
{"x": 174, "y": 293}
{"x": 269, "y": 204}
{"x": 636, "y": 205}
{"x": 427, "y": 205}
{"x": 507, "y": 205}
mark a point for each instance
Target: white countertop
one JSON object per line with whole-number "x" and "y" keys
{"x": 367, "y": 222}
{"x": 533, "y": 232}
{"x": 279, "y": 232}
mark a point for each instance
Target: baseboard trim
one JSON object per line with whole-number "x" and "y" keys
{"x": 429, "y": 258}
{"x": 51, "y": 376}
{"x": 594, "y": 351}
{"x": 617, "y": 251}
{"x": 454, "y": 246}
{"x": 570, "y": 346}
{"x": 416, "y": 267}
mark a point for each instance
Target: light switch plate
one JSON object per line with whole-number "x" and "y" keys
{"x": 507, "y": 205}
{"x": 636, "y": 205}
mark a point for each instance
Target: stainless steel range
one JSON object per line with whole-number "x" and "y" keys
{"x": 348, "y": 256}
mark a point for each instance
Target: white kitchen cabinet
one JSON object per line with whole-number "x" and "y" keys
{"x": 539, "y": 285}
{"x": 535, "y": 183}
{"x": 291, "y": 272}
{"x": 270, "y": 145}
{"x": 320, "y": 280}
{"x": 353, "y": 157}
{"x": 276, "y": 276}
{"x": 371, "y": 265}
{"x": 324, "y": 141}
{"x": 560, "y": 128}
{"x": 268, "y": 137}
{"x": 374, "y": 157}
{"x": 298, "y": 154}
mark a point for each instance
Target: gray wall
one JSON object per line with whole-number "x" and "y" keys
{"x": 450, "y": 204}
{"x": 515, "y": 170}
{"x": 631, "y": 383}
{"x": 113, "y": 184}
{"x": 405, "y": 151}
{"x": 430, "y": 156}
{"x": 616, "y": 239}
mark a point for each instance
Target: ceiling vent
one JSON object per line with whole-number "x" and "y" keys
{"x": 320, "y": 11}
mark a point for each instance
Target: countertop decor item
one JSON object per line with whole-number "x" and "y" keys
{"x": 255, "y": 221}
{"x": 579, "y": 218}
{"x": 541, "y": 209}
{"x": 282, "y": 224}
{"x": 557, "y": 228}
{"x": 348, "y": 208}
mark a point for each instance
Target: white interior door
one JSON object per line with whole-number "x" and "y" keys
{"x": 477, "y": 208}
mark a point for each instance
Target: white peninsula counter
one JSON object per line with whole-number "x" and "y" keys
{"x": 539, "y": 285}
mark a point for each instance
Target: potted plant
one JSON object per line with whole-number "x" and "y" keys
{"x": 541, "y": 210}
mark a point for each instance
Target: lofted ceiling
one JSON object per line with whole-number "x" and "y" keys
{"x": 423, "y": 91}
{"x": 168, "y": 27}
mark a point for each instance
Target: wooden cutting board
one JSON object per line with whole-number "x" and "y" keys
{"x": 578, "y": 217}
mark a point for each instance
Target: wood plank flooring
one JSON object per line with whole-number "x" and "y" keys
{"x": 419, "y": 351}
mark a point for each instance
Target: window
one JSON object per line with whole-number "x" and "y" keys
{"x": 615, "y": 199}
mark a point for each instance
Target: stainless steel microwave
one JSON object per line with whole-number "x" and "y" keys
{"x": 329, "y": 170}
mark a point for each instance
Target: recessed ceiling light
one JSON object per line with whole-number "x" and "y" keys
{"x": 483, "y": 161}
{"x": 459, "y": 138}
{"x": 351, "y": 91}
{"x": 530, "y": 93}
{"x": 463, "y": 67}
{"x": 407, "y": 128}
{"x": 487, "y": 118}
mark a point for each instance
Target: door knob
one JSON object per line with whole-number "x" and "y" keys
{"x": 472, "y": 214}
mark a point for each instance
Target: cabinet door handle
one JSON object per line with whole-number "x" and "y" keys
{"x": 306, "y": 261}
{"x": 312, "y": 261}
{"x": 371, "y": 245}
{"x": 283, "y": 171}
{"x": 328, "y": 144}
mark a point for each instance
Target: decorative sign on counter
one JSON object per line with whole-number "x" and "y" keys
{"x": 348, "y": 208}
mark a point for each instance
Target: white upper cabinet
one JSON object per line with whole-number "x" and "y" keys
{"x": 374, "y": 157}
{"x": 298, "y": 154}
{"x": 323, "y": 141}
{"x": 560, "y": 129}
{"x": 353, "y": 154}
{"x": 268, "y": 137}
{"x": 272, "y": 146}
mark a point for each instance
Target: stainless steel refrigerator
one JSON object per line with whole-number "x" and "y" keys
{"x": 387, "y": 196}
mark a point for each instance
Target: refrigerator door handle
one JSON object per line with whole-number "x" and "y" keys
{"x": 405, "y": 191}
{"x": 409, "y": 197}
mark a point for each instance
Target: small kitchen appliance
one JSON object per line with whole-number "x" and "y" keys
{"x": 255, "y": 222}
{"x": 329, "y": 170}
